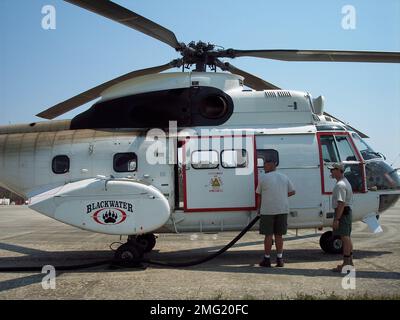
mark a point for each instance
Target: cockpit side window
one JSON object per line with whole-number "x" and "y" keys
{"x": 353, "y": 171}
{"x": 329, "y": 149}
{"x": 337, "y": 148}
{"x": 346, "y": 152}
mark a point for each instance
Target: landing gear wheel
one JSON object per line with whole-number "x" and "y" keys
{"x": 330, "y": 243}
{"x": 147, "y": 241}
{"x": 129, "y": 255}
{"x": 337, "y": 245}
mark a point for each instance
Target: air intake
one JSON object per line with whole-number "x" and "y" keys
{"x": 284, "y": 94}
{"x": 270, "y": 94}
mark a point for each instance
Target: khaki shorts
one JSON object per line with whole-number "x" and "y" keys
{"x": 273, "y": 224}
{"x": 345, "y": 222}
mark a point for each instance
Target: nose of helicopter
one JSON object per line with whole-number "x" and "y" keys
{"x": 386, "y": 201}
{"x": 382, "y": 177}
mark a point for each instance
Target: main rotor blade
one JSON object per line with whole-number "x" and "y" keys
{"x": 317, "y": 55}
{"x": 95, "y": 92}
{"x": 361, "y": 134}
{"x": 131, "y": 19}
{"x": 250, "y": 80}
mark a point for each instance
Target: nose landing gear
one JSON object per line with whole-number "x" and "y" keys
{"x": 131, "y": 253}
{"x": 330, "y": 243}
{"x": 147, "y": 241}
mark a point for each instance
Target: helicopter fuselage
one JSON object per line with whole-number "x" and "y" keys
{"x": 182, "y": 152}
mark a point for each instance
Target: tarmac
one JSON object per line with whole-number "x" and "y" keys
{"x": 28, "y": 238}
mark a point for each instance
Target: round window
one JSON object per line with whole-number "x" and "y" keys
{"x": 213, "y": 107}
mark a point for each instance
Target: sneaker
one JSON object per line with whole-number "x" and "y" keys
{"x": 280, "y": 263}
{"x": 338, "y": 268}
{"x": 266, "y": 262}
{"x": 347, "y": 261}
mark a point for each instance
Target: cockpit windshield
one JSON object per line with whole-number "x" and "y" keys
{"x": 381, "y": 176}
{"x": 366, "y": 151}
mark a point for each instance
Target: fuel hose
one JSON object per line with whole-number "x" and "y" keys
{"x": 114, "y": 263}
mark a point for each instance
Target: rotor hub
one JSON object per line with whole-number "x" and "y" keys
{"x": 200, "y": 53}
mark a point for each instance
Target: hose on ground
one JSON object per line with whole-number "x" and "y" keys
{"x": 209, "y": 257}
{"x": 122, "y": 264}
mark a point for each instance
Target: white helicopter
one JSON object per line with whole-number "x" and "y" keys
{"x": 181, "y": 152}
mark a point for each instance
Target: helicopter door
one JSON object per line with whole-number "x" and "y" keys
{"x": 218, "y": 173}
{"x": 338, "y": 147}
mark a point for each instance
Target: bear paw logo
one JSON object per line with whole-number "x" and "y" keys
{"x": 110, "y": 217}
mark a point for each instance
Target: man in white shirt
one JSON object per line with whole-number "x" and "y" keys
{"x": 273, "y": 191}
{"x": 342, "y": 198}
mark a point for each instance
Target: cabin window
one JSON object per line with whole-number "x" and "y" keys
{"x": 125, "y": 162}
{"x": 267, "y": 154}
{"x": 234, "y": 158}
{"x": 205, "y": 159}
{"x": 60, "y": 164}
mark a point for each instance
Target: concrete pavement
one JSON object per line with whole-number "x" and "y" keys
{"x": 28, "y": 238}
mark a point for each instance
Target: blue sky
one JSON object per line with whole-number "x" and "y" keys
{"x": 39, "y": 68}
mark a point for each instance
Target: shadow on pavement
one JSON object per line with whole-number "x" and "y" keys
{"x": 232, "y": 261}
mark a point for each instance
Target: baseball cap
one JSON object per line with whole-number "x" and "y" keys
{"x": 336, "y": 165}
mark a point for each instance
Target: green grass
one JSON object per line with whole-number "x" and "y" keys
{"x": 323, "y": 295}
{"x": 333, "y": 296}
{"x": 218, "y": 296}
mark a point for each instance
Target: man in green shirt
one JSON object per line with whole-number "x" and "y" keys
{"x": 342, "y": 198}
